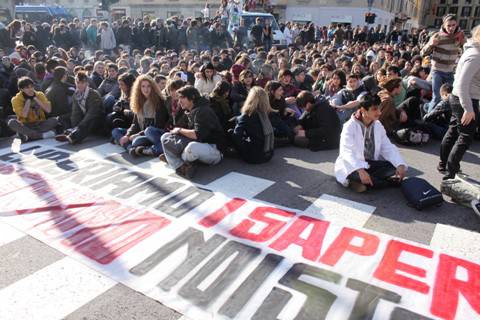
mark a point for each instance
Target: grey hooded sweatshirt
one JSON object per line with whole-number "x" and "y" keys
{"x": 467, "y": 76}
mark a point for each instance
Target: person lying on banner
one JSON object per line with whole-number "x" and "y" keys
{"x": 367, "y": 158}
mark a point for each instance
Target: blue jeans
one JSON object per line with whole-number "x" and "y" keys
{"x": 154, "y": 134}
{"x": 118, "y": 133}
{"x": 438, "y": 78}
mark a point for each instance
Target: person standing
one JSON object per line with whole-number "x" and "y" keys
{"x": 464, "y": 103}
{"x": 443, "y": 47}
{"x": 267, "y": 35}
{"x": 107, "y": 38}
{"x": 257, "y": 33}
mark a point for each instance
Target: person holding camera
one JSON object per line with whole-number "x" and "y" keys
{"x": 122, "y": 115}
{"x": 31, "y": 107}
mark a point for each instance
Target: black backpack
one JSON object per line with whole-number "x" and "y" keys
{"x": 420, "y": 194}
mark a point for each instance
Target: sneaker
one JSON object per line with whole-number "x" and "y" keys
{"x": 163, "y": 158}
{"x": 148, "y": 152}
{"x": 187, "y": 170}
{"x": 357, "y": 186}
{"x": 48, "y": 135}
{"x": 442, "y": 168}
{"x": 476, "y": 206}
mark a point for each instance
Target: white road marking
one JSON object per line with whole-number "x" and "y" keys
{"x": 340, "y": 211}
{"x": 9, "y": 234}
{"x": 240, "y": 185}
{"x": 52, "y": 292}
{"x": 456, "y": 241}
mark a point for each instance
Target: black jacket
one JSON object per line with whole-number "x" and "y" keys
{"x": 249, "y": 139}
{"x": 160, "y": 121}
{"x": 58, "y": 93}
{"x": 203, "y": 120}
{"x": 322, "y": 126}
{"x": 94, "y": 110}
{"x": 124, "y": 36}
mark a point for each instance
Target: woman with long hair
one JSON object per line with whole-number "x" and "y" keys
{"x": 207, "y": 79}
{"x": 284, "y": 118}
{"x": 149, "y": 120}
{"x": 8, "y": 36}
{"x": 253, "y": 135}
{"x": 240, "y": 90}
{"x": 336, "y": 83}
{"x": 122, "y": 115}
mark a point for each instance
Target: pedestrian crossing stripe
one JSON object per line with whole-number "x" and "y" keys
{"x": 341, "y": 275}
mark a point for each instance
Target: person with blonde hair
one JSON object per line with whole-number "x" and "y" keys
{"x": 253, "y": 134}
{"x": 149, "y": 120}
{"x": 464, "y": 103}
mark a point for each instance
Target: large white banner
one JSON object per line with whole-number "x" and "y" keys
{"x": 211, "y": 256}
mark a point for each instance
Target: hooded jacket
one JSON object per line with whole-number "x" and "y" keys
{"x": 466, "y": 85}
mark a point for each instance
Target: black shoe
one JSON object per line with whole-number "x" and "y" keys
{"x": 24, "y": 138}
{"x": 448, "y": 176}
{"x": 441, "y": 168}
{"x": 133, "y": 152}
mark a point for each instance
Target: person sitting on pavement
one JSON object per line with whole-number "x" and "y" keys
{"x": 203, "y": 140}
{"x": 367, "y": 158}
{"x": 207, "y": 80}
{"x": 59, "y": 94}
{"x": 253, "y": 134}
{"x": 122, "y": 115}
{"x": 149, "y": 121}
{"x": 109, "y": 88}
{"x": 87, "y": 112}
{"x": 319, "y": 126}
{"x": 31, "y": 107}
{"x": 345, "y": 101}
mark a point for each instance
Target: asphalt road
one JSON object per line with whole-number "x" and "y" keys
{"x": 299, "y": 178}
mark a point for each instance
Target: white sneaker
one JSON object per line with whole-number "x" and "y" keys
{"x": 48, "y": 135}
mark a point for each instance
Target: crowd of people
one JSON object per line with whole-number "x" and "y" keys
{"x": 189, "y": 91}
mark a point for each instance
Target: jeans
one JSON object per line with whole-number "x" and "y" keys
{"x": 267, "y": 44}
{"x": 458, "y": 138}
{"x": 179, "y": 149}
{"x": 438, "y": 78}
{"x": 380, "y": 172}
{"x": 33, "y": 130}
{"x": 118, "y": 133}
{"x": 154, "y": 135}
{"x": 108, "y": 103}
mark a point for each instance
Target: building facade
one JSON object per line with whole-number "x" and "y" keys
{"x": 467, "y": 12}
{"x": 406, "y": 13}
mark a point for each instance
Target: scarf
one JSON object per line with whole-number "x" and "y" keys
{"x": 81, "y": 98}
{"x": 267, "y": 132}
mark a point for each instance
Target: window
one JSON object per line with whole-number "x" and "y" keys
{"x": 453, "y": 10}
{"x": 438, "y": 23}
{"x": 475, "y": 22}
{"x": 463, "y": 24}
{"x": 468, "y": 1}
{"x": 477, "y": 12}
{"x": 441, "y": 11}
{"x": 466, "y": 11}
{"x": 443, "y": 1}
{"x": 454, "y": 1}
{"x": 173, "y": 13}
